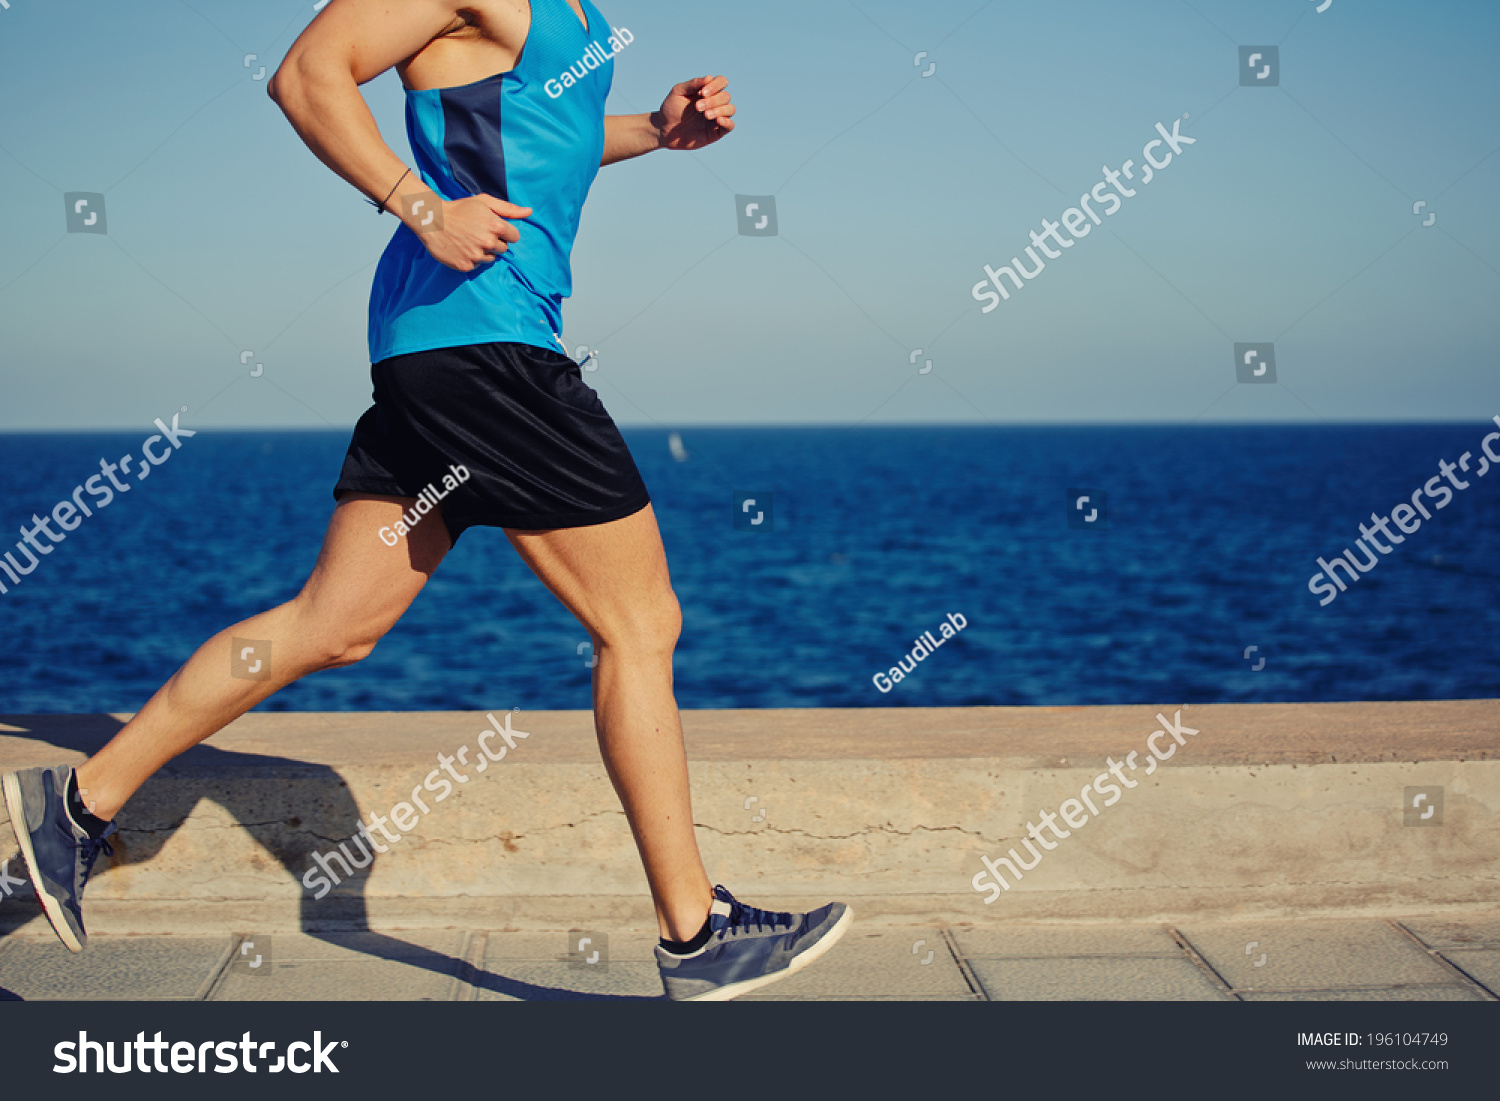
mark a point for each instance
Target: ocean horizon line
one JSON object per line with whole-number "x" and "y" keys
{"x": 702, "y": 426}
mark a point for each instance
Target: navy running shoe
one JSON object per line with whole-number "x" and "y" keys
{"x": 749, "y": 949}
{"x": 59, "y": 854}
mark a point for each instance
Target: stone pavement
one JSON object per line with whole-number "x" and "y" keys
{"x": 1446, "y": 957}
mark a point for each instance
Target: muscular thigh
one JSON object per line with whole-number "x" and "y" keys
{"x": 360, "y": 581}
{"x": 612, "y": 576}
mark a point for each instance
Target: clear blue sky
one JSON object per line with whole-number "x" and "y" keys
{"x": 1289, "y": 221}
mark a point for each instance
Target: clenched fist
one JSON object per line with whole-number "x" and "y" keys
{"x": 463, "y": 233}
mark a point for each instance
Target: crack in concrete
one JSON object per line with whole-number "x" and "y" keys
{"x": 841, "y": 836}
{"x": 204, "y": 824}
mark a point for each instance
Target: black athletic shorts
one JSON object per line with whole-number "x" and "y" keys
{"x": 539, "y": 448}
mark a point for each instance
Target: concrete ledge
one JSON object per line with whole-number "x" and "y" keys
{"x": 1270, "y": 810}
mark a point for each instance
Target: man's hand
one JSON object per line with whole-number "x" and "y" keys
{"x": 463, "y": 233}
{"x": 695, "y": 113}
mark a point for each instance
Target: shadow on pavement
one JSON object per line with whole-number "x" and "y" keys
{"x": 138, "y": 842}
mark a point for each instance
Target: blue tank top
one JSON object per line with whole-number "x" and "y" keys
{"x": 532, "y": 136}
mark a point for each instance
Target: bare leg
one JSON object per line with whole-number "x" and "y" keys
{"x": 614, "y": 578}
{"x": 357, "y": 591}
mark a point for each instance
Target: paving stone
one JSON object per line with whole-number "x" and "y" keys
{"x": 627, "y": 946}
{"x": 1324, "y": 960}
{"x": 145, "y": 968}
{"x": 881, "y": 962}
{"x": 1313, "y": 955}
{"x": 341, "y": 981}
{"x": 1094, "y": 980}
{"x": 1385, "y": 994}
{"x": 540, "y": 981}
{"x": 368, "y": 947}
{"x": 1480, "y": 964}
{"x": 1054, "y": 942}
{"x": 1455, "y": 933}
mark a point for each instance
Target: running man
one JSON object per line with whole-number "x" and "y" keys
{"x": 505, "y": 115}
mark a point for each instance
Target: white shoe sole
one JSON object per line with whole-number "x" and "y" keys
{"x": 10, "y": 783}
{"x": 812, "y": 955}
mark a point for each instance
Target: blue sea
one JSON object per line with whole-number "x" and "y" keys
{"x": 1202, "y": 545}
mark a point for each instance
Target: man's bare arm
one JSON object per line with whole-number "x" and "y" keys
{"x": 627, "y": 136}
{"x": 317, "y": 87}
{"x": 695, "y": 113}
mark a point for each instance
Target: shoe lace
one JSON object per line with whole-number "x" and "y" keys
{"x": 742, "y": 916}
{"x": 89, "y": 849}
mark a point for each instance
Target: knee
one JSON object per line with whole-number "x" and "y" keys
{"x": 349, "y": 653}
{"x": 651, "y": 629}
{"x": 335, "y": 654}
{"x": 329, "y": 637}
{"x": 344, "y": 647}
